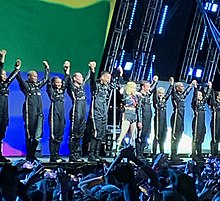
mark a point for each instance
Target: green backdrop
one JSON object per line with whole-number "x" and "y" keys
{"x": 54, "y": 30}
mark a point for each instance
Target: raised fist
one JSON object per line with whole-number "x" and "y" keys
{"x": 171, "y": 80}
{"x": 46, "y": 65}
{"x": 66, "y": 64}
{"x": 92, "y": 64}
{"x": 3, "y": 52}
{"x": 155, "y": 78}
{"x": 18, "y": 64}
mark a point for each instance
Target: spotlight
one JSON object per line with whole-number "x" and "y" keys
{"x": 198, "y": 73}
{"x": 128, "y": 65}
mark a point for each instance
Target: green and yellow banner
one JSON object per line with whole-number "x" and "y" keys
{"x": 54, "y": 30}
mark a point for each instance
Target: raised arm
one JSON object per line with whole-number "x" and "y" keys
{"x": 170, "y": 89}
{"x": 154, "y": 84}
{"x": 22, "y": 84}
{"x": 208, "y": 92}
{"x": 2, "y": 59}
{"x": 66, "y": 68}
{"x": 46, "y": 74}
{"x": 194, "y": 98}
{"x": 92, "y": 65}
{"x": 14, "y": 73}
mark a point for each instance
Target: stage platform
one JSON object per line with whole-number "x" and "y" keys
{"x": 88, "y": 166}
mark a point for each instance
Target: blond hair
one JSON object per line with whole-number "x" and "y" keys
{"x": 130, "y": 88}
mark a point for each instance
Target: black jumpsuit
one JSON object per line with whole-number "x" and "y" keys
{"x": 198, "y": 123}
{"x": 160, "y": 120}
{"x": 32, "y": 112}
{"x": 77, "y": 117}
{"x": 4, "y": 92}
{"x": 99, "y": 116}
{"x": 56, "y": 117}
{"x": 146, "y": 112}
{"x": 177, "y": 118}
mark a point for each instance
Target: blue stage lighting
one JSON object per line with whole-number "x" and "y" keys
{"x": 214, "y": 7}
{"x": 198, "y": 73}
{"x": 163, "y": 19}
{"x": 132, "y": 14}
{"x": 190, "y": 73}
{"x": 150, "y": 74}
{"x": 203, "y": 38}
{"x": 122, "y": 57}
{"x": 128, "y": 65}
{"x": 210, "y": 6}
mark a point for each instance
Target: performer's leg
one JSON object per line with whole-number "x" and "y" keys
{"x": 125, "y": 125}
{"x": 2, "y": 136}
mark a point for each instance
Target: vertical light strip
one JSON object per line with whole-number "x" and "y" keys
{"x": 163, "y": 19}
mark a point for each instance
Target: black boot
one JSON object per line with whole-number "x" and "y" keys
{"x": 92, "y": 152}
{"x": 174, "y": 156}
{"x": 54, "y": 152}
{"x": 139, "y": 151}
{"x": 199, "y": 152}
{"x": 33, "y": 150}
{"x": 154, "y": 147}
{"x": 98, "y": 147}
{"x": 2, "y": 158}
{"x": 75, "y": 151}
{"x": 161, "y": 146}
{"x": 214, "y": 148}
{"x": 29, "y": 152}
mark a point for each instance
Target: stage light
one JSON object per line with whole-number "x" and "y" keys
{"x": 163, "y": 19}
{"x": 132, "y": 14}
{"x": 122, "y": 57}
{"x": 116, "y": 64}
{"x": 214, "y": 7}
{"x": 128, "y": 65}
{"x": 203, "y": 38}
{"x": 198, "y": 73}
{"x": 150, "y": 74}
{"x": 210, "y": 6}
{"x": 190, "y": 73}
{"x": 127, "y": 140}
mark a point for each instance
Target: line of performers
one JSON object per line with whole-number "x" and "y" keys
{"x": 136, "y": 115}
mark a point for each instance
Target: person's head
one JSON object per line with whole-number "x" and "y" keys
{"x": 105, "y": 77}
{"x": 56, "y": 82}
{"x": 217, "y": 95}
{"x": 77, "y": 78}
{"x": 200, "y": 95}
{"x": 3, "y": 75}
{"x": 32, "y": 76}
{"x": 169, "y": 195}
{"x": 160, "y": 92}
{"x": 131, "y": 88}
{"x": 179, "y": 87}
{"x": 145, "y": 86}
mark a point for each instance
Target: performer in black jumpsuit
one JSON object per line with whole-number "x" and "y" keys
{"x": 160, "y": 119}
{"x": 55, "y": 90}
{"x": 4, "y": 92}
{"x": 198, "y": 124}
{"x": 32, "y": 109}
{"x": 215, "y": 122}
{"x": 179, "y": 95}
{"x": 146, "y": 90}
{"x": 76, "y": 91}
{"x": 99, "y": 108}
